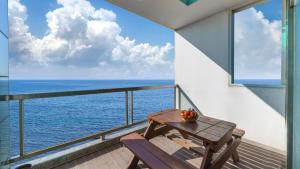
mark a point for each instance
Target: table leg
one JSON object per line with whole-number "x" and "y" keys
{"x": 207, "y": 158}
{"x": 185, "y": 136}
{"x": 148, "y": 133}
{"x": 133, "y": 163}
{"x": 150, "y": 130}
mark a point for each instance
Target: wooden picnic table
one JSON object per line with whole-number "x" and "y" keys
{"x": 214, "y": 133}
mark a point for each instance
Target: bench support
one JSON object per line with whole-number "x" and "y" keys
{"x": 225, "y": 155}
{"x": 237, "y": 135}
{"x": 148, "y": 134}
{"x": 152, "y": 156}
{"x": 133, "y": 163}
{"x": 207, "y": 158}
{"x": 235, "y": 156}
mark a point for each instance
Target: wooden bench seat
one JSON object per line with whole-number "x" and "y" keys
{"x": 238, "y": 133}
{"x": 152, "y": 156}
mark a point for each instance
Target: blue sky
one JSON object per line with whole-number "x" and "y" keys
{"x": 129, "y": 46}
{"x": 139, "y": 28}
{"x": 272, "y": 9}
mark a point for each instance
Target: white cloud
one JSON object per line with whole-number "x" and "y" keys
{"x": 83, "y": 39}
{"x": 257, "y": 46}
{"x": 80, "y": 36}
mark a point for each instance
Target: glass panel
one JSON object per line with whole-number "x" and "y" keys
{"x": 3, "y": 16}
{"x": 4, "y": 106}
{"x": 86, "y": 115}
{"x": 150, "y": 101}
{"x": 4, "y": 122}
{"x": 257, "y": 45}
{"x": 3, "y": 55}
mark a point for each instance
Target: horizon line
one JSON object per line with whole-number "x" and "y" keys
{"x": 142, "y": 79}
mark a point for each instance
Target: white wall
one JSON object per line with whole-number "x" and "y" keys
{"x": 202, "y": 64}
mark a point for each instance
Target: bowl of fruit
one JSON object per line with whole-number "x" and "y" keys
{"x": 189, "y": 115}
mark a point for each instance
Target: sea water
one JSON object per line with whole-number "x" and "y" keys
{"x": 51, "y": 121}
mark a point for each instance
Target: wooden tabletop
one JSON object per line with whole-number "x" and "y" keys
{"x": 210, "y": 130}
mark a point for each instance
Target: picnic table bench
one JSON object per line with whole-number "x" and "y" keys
{"x": 152, "y": 156}
{"x": 215, "y": 135}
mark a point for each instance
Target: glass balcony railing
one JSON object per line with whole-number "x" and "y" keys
{"x": 129, "y": 95}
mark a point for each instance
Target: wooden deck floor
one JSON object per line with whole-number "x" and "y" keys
{"x": 117, "y": 157}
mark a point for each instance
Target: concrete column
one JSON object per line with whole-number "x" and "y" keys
{"x": 293, "y": 90}
{"x": 296, "y": 116}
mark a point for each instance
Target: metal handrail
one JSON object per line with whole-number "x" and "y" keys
{"x": 78, "y": 92}
{"x": 22, "y": 97}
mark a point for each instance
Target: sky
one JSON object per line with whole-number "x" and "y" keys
{"x": 257, "y": 42}
{"x": 93, "y": 39}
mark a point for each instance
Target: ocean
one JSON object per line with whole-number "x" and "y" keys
{"x": 52, "y": 121}
{"x": 268, "y": 82}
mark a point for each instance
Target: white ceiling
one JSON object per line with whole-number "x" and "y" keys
{"x": 174, "y": 14}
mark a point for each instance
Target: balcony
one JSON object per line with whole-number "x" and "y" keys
{"x": 104, "y": 148}
{"x": 204, "y": 72}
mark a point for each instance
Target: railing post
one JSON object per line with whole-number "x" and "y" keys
{"x": 102, "y": 137}
{"x": 131, "y": 106}
{"x": 126, "y": 107}
{"x": 179, "y": 98}
{"x": 21, "y": 126}
{"x": 175, "y": 95}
